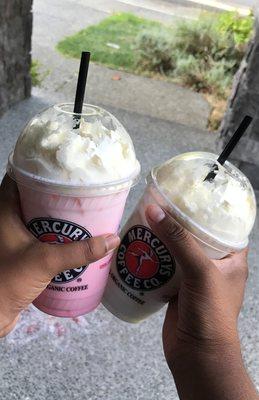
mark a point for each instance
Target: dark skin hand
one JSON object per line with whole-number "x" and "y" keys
{"x": 200, "y": 334}
{"x": 28, "y": 265}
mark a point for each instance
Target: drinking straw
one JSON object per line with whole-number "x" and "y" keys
{"x": 230, "y": 146}
{"x": 81, "y": 84}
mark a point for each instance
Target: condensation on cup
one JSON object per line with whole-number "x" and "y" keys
{"x": 220, "y": 215}
{"x": 74, "y": 173}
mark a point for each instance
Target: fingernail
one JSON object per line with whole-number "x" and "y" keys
{"x": 112, "y": 241}
{"x": 156, "y": 213}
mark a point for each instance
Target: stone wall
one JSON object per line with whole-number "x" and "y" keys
{"x": 15, "y": 48}
{"x": 245, "y": 100}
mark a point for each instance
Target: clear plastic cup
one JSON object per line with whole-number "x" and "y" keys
{"x": 144, "y": 275}
{"x": 60, "y": 212}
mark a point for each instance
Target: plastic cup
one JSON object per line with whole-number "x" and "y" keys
{"x": 61, "y": 213}
{"x": 144, "y": 275}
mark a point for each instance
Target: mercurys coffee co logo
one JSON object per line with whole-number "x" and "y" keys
{"x": 58, "y": 231}
{"x": 143, "y": 261}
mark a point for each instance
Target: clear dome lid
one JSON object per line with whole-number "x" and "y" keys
{"x": 60, "y": 147}
{"x": 224, "y": 207}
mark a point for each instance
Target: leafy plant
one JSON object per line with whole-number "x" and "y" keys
{"x": 219, "y": 78}
{"x": 155, "y": 50}
{"x": 202, "y": 54}
{"x": 188, "y": 71}
{"x": 240, "y": 27}
{"x": 198, "y": 38}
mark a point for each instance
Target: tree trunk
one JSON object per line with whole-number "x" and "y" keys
{"x": 15, "y": 51}
{"x": 245, "y": 100}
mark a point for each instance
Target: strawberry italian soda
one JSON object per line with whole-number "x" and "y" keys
{"x": 73, "y": 180}
{"x": 219, "y": 214}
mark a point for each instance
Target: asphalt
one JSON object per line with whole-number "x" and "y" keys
{"x": 97, "y": 356}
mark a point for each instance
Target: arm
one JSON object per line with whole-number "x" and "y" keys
{"x": 200, "y": 335}
{"x": 27, "y": 265}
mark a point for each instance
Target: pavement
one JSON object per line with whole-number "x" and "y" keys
{"x": 169, "y": 102}
{"x": 242, "y": 6}
{"x": 97, "y": 356}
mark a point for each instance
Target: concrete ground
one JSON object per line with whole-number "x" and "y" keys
{"x": 169, "y": 102}
{"x": 97, "y": 356}
{"x": 216, "y": 5}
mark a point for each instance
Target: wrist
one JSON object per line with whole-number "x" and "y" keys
{"x": 215, "y": 369}
{"x": 206, "y": 353}
{"x": 203, "y": 347}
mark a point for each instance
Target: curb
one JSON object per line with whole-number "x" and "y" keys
{"x": 213, "y": 5}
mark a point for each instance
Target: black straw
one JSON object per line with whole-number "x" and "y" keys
{"x": 235, "y": 139}
{"x": 230, "y": 146}
{"x": 81, "y": 84}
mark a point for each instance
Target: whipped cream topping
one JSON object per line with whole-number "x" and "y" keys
{"x": 224, "y": 206}
{"x": 100, "y": 151}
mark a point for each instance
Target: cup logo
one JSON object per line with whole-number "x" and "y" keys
{"x": 59, "y": 231}
{"x": 143, "y": 261}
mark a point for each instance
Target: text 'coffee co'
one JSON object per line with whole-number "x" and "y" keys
{"x": 143, "y": 261}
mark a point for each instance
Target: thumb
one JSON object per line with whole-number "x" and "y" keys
{"x": 55, "y": 258}
{"x": 191, "y": 258}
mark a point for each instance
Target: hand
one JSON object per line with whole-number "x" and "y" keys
{"x": 200, "y": 329}
{"x": 211, "y": 293}
{"x": 28, "y": 265}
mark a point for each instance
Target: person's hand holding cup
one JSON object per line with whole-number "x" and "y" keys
{"x": 28, "y": 265}
{"x": 219, "y": 214}
{"x": 200, "y": 333}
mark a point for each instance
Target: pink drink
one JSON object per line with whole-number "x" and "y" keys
{"x": 74, "y": 173}
{"x": 59, "y": 219}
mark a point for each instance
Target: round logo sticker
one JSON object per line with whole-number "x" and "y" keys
{"x": 58, "y": 231}
{"x": 143, "y": 261}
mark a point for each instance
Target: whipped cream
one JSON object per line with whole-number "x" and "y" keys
{"x": 224, "y": 206}
{"x": 99, "y": 151}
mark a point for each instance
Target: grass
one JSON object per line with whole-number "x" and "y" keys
{"x": 203, "y": 55}
{"x": 37, "y": 76}
{"x": 119, "y": 29}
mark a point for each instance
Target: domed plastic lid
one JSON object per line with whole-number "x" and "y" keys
{"x": 224, "y": 208}
{"x": 59, "y": 147}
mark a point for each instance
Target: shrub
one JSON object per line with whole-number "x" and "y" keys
{"x": 188, "y": 71}
{"x": 198, "y": 38}
{"x": 240, "y": 27}
{"x": 202, "y": 54}
{"x": 219, "y": 78}
{"x": 154, "y": 50}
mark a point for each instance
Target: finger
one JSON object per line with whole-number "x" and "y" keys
{"x": 53, "y": 259}
{"x": 9, "y": 195}
{"x": 193, "y": 261}
{"x": 13, "y": 232}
